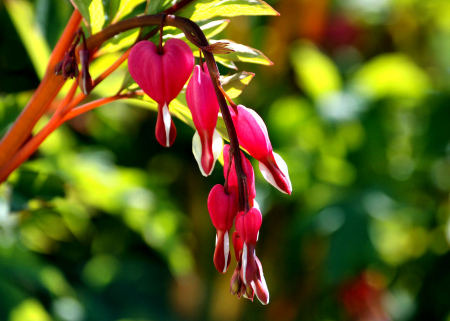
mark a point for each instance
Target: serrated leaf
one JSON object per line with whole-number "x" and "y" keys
{"x": 243, "y": 53}
{"x": 205, "y": 9}
{"x": 236, "y": 83}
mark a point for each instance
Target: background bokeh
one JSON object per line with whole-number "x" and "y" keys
{"x": 104, "y": 224}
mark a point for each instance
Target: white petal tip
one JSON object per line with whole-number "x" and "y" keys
{"x": 167, "y": 119}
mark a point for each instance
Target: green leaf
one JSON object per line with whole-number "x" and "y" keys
{"x": 205, "y": 9}
{"x": 209, "y": 27}
{"x": 157, "y": 6}
{"x": 124, "y": 8}
{"x": 83, "y": 7}
{"x": 316, "y": 73}
{"x": 243, "y": 53}
{"x": 121, "y": 41}
{"x": 22, "y": 16}
{"x": 236, "y": 83}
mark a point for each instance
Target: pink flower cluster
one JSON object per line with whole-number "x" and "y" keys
{"x": 162, "y": 75}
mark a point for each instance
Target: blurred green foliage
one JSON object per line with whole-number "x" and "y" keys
{"x": 104, "y": 224}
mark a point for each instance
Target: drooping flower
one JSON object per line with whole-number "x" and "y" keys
{"x": 253, "y": 136}
{"x": 249, "y": 267}
{"x": 229, "y": 172}
{"x": 202, "y": 101}
{"x": 222, "y": 207}
{"x": 161, "y": 76}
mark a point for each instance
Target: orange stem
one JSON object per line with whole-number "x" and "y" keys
{"x": 42, "y": 98}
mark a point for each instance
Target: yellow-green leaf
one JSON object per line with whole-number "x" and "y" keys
{"x": 125, "y": 7}
{"x": 96, "y": 15}
{"x": 394, "y": 75}
{"x": 243, "y": 53}
{"x": 316, "y": 73}
{"x": 209, "y": 27}
{"x": 205, "y": 9}
{"x": 236, "y": 83}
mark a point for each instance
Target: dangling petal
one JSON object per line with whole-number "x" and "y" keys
{"x": 275, "y": 171}
{"x": 206, "y": 153}
{"x": 165, "y": 130}
{"x": 259, "y": 284}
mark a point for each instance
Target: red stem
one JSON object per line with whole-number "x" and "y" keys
{"x": 42, "y": 98}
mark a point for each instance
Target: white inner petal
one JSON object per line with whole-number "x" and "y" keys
{"x": 244, "y": 262}
{"x": 197, "y": 151}
{"x": 217, "y": 146}
{"x": 226, "y": 250}
{"x": 268, "y": 176}
{"x": 167, "y": 122}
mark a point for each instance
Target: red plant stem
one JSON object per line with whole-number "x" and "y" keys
{"x": 57, "y": 120}
{"x": 42, "y": 98}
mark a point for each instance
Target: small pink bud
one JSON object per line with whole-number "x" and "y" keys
{"x": 202, "y": 101}
{"x": 161, "y": 76}
{"x": 253, "y": 136}
{"x": 232, "y": 177}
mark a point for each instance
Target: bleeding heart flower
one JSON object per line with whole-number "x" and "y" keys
{"x": 248, "y": 278}
{"x": 202, "y": 101}
{"x": 253, "y": 136}
{"x": 231, "y": 177}
{"x": 161, "y": 76}
{"x": 222, "y": 207}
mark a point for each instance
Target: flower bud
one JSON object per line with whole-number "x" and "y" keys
{"x": 202, "y": 101}
{"x": 222, "y": 207}
{"x": 253, "y": 136}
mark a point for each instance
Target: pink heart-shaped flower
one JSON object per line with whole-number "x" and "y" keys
{"x": 161, "y": 76}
